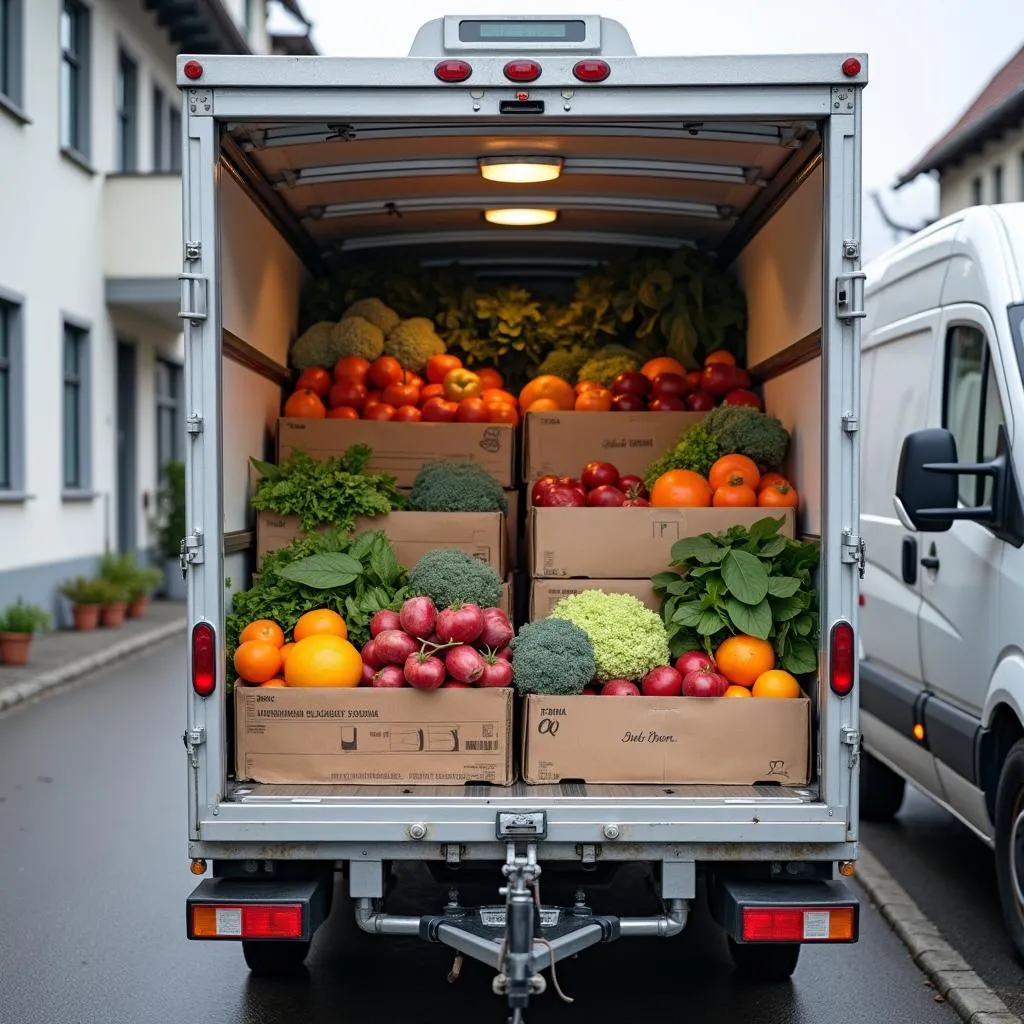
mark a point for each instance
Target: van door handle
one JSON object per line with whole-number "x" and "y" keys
{"x": 931, "y": 560}
{"x": 909, "y": 560}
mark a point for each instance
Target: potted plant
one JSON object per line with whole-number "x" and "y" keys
{"x": 19, "y": 622}
{"x": 114, "y": 606}
{"x": 170, "y": 525}
{"x": 86, "y": 597}
{"x": 125, "y": 571}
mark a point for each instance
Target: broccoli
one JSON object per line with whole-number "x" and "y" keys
{"x": 607, "y": 363}
{"x": 374, "y": 310}
{"x": 552, "y": 657}
{"x": 628, "y": 638}
{"x": 450, "y": 576}
{"x": 748, "y": 431}
{"x": 355, "y": 336}
{"x": 413, "y": 342}
{"x": 564, "y": 363}
{"x": 314, "y": 347}
{"x": 456, "y": 487}
{"x": 696, "y": 450}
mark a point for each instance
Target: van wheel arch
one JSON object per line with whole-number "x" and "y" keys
{"x": 996, "y": 742}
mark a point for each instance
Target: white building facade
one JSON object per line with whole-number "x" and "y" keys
{"x": 91, "y": 402}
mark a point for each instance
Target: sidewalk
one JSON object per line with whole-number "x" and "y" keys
{"x": 58, "y": 658}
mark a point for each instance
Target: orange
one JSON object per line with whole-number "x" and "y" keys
{"x": 594, "y": 400}
{"x": 263, "y": 629}
{"x": 729, "y": 467}
{"x": 548, "y": 387}
{"x": 323, "y": 620}
{"x": 276, "y": 681}
{"x": 256, "y": 661}
{"x": 681, "y": 488}
{"x": 736, "y": 691}
{"x": 285, "y": 651}
{"x": 776, "y": 683}
{"x": 720, "y": 356}
{"x": 741, "y": 659}
{"x": 663, "y": 364}
{"x": 324, "y": 659}
{"x": 543, "y": 405}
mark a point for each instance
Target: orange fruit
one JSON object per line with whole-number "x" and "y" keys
{"x": 256, "y": 661}
{"x": 263, "y": 629}
{"x": 681, "y": 488}
{"x": 548, "y": 387}
{"x": 729, "y": 467}
{"x": 324, "y": 659}
{"x": 663, "y": 364}
{"x": 741, "y": 659}
{"x": 594, "y": 400}
{"x": 276, "y": 681}
{"x": 720, "y": 356}
{"x": 285, "y": 651}
{"x": 323, "y": 620}
{"x": 736, "y": 691}
{"x": 543, "y": 405}
{"x": 776, "y": 683}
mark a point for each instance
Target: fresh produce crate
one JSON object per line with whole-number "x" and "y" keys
{"x": 401, "y": 449}
{"x": 545, "y": 594}
{"x": 666, "y": 740}
{"x": 625, "y": 543}
{"x": 359, "y": 735}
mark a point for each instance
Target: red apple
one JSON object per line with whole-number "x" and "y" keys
{"x": 599, "y": 474}
{"x": 663, "y": 681}
{"x": 704, "y": 684}
{"x": 540, "y": 488}
{"x": 740, "y": 396}
{"x": 589, "y": 691}
{"x": 668, "y": 403}
{"x": 693, "y": 379}
{"x": 700, "y": 401}
{"x": 719, "y": 379}
{"x": 631, "y": 383}
{"x": 669, "y": 384}
{"x": 620, "y": 688}
{"x": 629, "y": 403}
{"x": 695, "y": 661}
{"x": 606, "y": 496}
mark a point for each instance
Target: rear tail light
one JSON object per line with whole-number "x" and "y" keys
{"x": 841, "y": 659}
{"x": 453, "y": 71}
{"x": 251, "y": 921}
{"x": 851, "y": 67}
{"x": 796, "y": 924}
{"x": 591, "y": 70}
{"x": 204, "y": 659}
{"x": 522, "y": 71}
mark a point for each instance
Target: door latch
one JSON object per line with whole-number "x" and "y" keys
{"x": 854, "y": 551}
{"x": 850, "y": 296}
{"x": 193, "y": 298}
{"x": 191, "y": 551}
{"x": 851, "y": 738}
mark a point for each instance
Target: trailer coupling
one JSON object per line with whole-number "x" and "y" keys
{"x": 521, "y": 938}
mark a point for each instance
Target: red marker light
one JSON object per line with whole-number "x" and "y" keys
{"x": 841, "y": 659}
{"x": 522, "y": 71}
{"x": 453, "y": 71}
{"x": 204, "y": 659}
{"x": 591, "y": 70}
{"x": 851, "y": 67}
{"x": 193, "y": 69}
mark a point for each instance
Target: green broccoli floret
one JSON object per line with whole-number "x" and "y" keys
{"x": 450, "y": 576}
{"x": 456, "y": 487}
{"x": 377, "y": 312}
{"x": 607, "y": 363}
{"x": 413, "y": 342}
{"x": 696, "y": 450}
{"x": 628, "y": 638}
{"x": 356, "y": 336}
{"x": 314, "y": 347}
{"x": 748, "y": 431}
{"x": 552, "y": 657}
{"x": 564, "y": 363}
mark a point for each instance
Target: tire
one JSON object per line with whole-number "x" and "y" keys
{"x": 881, "y": 790}
{"x": 765, "y": 964}
{"x": 275, "y": 959}
{"x": 1009, "y": 822}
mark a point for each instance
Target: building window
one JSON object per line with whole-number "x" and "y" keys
{"x": 174, "y": 164}
{"x": 247, "y": 6}
{"x": 10, "y": 50}
{"x": 160, "y": 153}
{"x": 976, "y": 196}
{"x": 997, "y": 183}
{"x": 76, "y": 408}
{"x": 74, "y": 77}
{"x": 11, "y": 399}
{"x": 169, "y": 426}
{"x": 127, "y": 114}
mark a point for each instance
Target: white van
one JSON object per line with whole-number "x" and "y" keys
{"x": 942, "y": 616}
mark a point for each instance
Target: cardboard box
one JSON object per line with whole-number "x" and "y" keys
{"x": 670, "y": 740}
{"x": 545, "y": 594}
{"x": 375, "y": 737}
{"x": 483, "y": 535}
{"x": 402, "y": 449}
{"x": 625, "y": 543}
{"x": 562, "y": 443}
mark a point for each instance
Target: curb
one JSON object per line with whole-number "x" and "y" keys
{"x": 18, "y": 693}
{"x": 947, "y": 970}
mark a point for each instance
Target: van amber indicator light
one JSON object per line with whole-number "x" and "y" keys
{"x": 204, "y": 659}
{"x": 193, "y": 69}
{"x": 453, "y": 71}
{"x": 851, "y": 67}
{"x": 841, "y": 658}
{"x": 591, "y": 70}
{"x": 522, "y": 71}
{"x": 918, "y": 731}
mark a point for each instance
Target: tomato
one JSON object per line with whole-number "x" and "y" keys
{"x": 460, "y": 384}
{"x": 499, "y": 395}
{"x": 431, "y": 391}
{"x": 439, "y": 410}
{"x": 502, "y": 412}
{"x": 633, "y": 486}
{"x": 731, "y": 469}
{"x": 771, "y": 479}
{"x": 490, "y": 378}
{"x": 305, "y": 404}
{"x": 734, "y": 495}
{"x": 347, "y": 392}
{"x": 414, "y": 379}
{"x": 439, "y": 366}
{"x": 407, "y": 414}
{"x": 384, "y": 371}
{"x": 472, "y": 410}
{"x": 720, "y": 356}
{"x": 778, "y": 496}
{"x": 315, "y": 379}
{"x": 379, "y": 411}
{"x": 401, "y": 394}
{"x": 594, "y": 400}
{"x": 740, "y": 396}
{"x": 550, "y": 388}
{"x": 353, "y": 368}
{"x": 343, "y": 412}
{"x": 681, "y": 488}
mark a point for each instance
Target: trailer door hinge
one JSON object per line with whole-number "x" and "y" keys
{"x": 851, "y": 738}
{"x": 194, "y": 424}
{"x": 196, "y": 737}
{"x": 193, "y": 298}
{"x": 850, "y": 296}
{"x": 191, "y": 551}
{"x": 854, "y": 551}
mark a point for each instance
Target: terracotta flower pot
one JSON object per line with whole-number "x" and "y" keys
{"x": 137, "y": 606}
{"x": 14, "y": 648}
{"x": 87, "y": 616}
{"x": 112, "y": 615}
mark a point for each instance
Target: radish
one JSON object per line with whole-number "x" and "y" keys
{"x": 464, "y": 664}
{"x": 424, "y": 671}
{"x": 497, "y": 632}
{"x": 389, "y": 677}
{"x": 496, "y": 672}
{"x": 418, "y": 616}
{"x": 460, "y": 624}
{"x": 393, "y": 646}
{"x": 383, "y": 620}
{"x": 368, "y": 675}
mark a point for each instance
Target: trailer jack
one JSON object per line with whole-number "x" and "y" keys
{"x": 521, "y": 938}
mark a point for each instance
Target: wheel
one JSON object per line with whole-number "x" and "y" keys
{"x": 881, "y": 790}
{"x": 765, "y": 964}
{"x": 275, "y": 959}
{"x": 1009, "y": 824}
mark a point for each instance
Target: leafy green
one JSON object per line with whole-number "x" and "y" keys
{"x": 696, "y": 450}
{"x": 334, "y": 492}
{"x": 752, "y": 581}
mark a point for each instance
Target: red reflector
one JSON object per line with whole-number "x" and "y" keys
{"x": 270, "y": 922}
{"x": 772, "y": 925}
{"x": 851, "y": 67}
{"x": 204, "y": 659}
{"x": 453, "y": 71}
{"x": 193, "y": 69}
{"x": 522, "y": 71}
{"x": 591, "y": 70}
{"x": 841, "y": 658}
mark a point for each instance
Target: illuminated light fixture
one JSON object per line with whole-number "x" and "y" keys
{"x": 520, "y": 217}
{"x": 520, "y": 170}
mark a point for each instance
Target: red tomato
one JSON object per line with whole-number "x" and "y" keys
{"x": 343, "y": 412}
{"x": 415, "y": 379}
{"x": 431, "y": 391}
{"x": 379, "y": 411}
{"x": 353, "y": 368}
{"x": 502, "y": 412}
{"x": 439, "y": 410}
{"x": 316, "y": 379}
{"x": 490, "y": 378}
{"x": 407, "y": 414}
{"x": 438, "y": 366}
{"x": 384, "y": 371}
{"x": 347, "y": 392}
{"x": 472, "y": 410}
{"x": 401, "y": 394}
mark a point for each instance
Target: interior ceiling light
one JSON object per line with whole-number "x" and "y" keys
{"x": 520, "y": 170}
{"x": 520, "y": 217}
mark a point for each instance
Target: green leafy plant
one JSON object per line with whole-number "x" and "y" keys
{"x": 744, "y": 581}
{"x": 333, "y": 492}
{"x": 124, "y": 569}
{"x": 83, "y": 590}
{"x": 24, "y": 618}
{"x": 170, "y": 519}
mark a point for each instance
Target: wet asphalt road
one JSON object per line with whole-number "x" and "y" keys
{"x": 93, "y": 878}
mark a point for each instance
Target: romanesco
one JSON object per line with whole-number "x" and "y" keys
{"x": 374, "y": 310}
{"x": 355, "y": 336}
{"x": 413, "y": 342}
{"x": 456, "y": 487}
{"x": 607, "y": 363}
{"x": 450, "y": 576}
{"x": 553, "y": 657}
{"x": 628, "y": 638}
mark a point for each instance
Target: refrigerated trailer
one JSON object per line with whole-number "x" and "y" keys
{"x": 291, "y": 162}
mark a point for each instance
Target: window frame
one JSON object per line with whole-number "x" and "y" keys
{"x": 174, "y": 127}
{"x": 170, "y": 403}
{"x": 977, "y": 190}
{"x": 12, "y": 326}
{"x": 79, "y": 144}
{"x": 997, "y": 184}
{"x": 160, "y": 154}
{"x": 12, "y": 57}
{"x": 126, "y": 108}
{"x": 81, "y": 332}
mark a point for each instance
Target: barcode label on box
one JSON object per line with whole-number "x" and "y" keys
{"x": 482, "y": 744}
